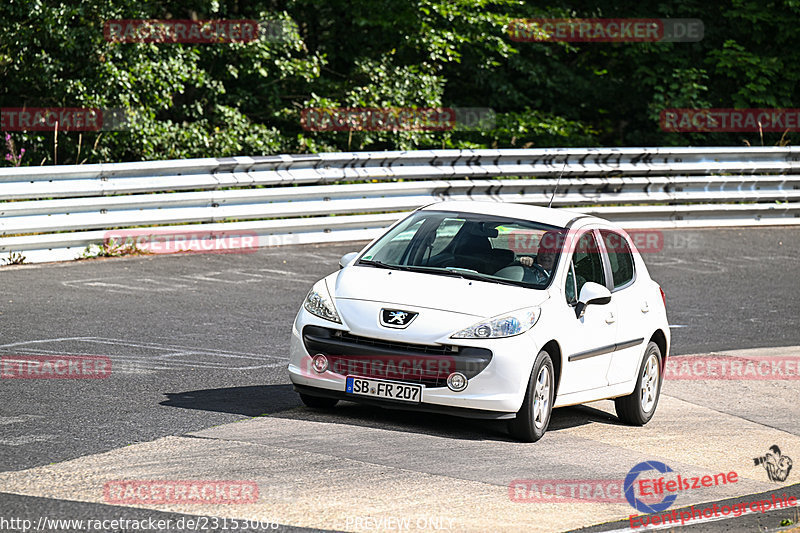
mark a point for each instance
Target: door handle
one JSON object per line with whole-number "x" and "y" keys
{"x": 645, "y": 307}
{"x": 610, "y": 319}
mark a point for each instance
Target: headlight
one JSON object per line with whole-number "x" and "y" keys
{"x": 318, "y": 302}
{"x": 503, "y": 326}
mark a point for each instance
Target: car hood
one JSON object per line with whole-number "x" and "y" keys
{"x": 446, "y": 293}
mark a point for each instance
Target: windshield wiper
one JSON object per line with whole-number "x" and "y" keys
{"x": 423, "y": 269}
{"x": 464, "y": 273}
{"x": 381, "y": 264}
{"x": 477, "y": 276}
{"x": 434, "y": 270}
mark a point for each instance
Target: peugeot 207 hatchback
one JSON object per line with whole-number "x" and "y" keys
{"x": 486, "y": 310}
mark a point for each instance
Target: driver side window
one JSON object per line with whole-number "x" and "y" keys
{"x": 587, "y": 262}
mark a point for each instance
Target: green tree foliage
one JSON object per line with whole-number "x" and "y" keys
{"x": 225, "y": 99}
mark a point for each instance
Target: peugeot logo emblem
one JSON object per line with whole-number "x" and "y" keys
{"x": 396, "y": 318}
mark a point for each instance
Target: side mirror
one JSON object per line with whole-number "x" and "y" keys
{"x": 591, "y": 294}
{"x": 347, "y": 259}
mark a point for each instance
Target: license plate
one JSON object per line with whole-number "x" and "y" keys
{"x": 377, "y": 388}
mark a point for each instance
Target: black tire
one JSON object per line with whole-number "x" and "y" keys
{"x": 629, "y": 408}
{"x": 524, "y": 428}
{"x": 318, "y": 402}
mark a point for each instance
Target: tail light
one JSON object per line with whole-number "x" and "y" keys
{"x": 663, "y": 296}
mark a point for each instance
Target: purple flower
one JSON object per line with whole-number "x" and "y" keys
{"x": 12, "y": 155}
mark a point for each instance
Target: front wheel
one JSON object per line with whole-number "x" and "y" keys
{"x": 533, "y": 417}
{"x": 639, "y": 407}
{"x": 318, "y": 402}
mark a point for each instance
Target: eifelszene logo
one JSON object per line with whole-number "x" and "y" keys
{"x": 637, "y": 503}
{"x": 669, "y": 486}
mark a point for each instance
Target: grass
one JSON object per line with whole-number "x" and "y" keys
{"x": 111, "y": 248}
{"x": 15, "y": 258}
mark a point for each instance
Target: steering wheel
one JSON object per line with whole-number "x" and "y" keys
{"x": 538, "y": 269}
{"x": 540, "y": 272}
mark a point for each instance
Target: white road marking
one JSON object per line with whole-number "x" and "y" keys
{"x": 24, "y": 440}
{"x": 118, "y": 287}
{"x": 171, "y": 283}
{"x": 6, "y": 420}
{"x": 276, "y": 271}
{"x": 56, "y": 339}
{"x": 187, "y": 281}
{"x": 162, "y": 356}
{"x": 208, "y": 276}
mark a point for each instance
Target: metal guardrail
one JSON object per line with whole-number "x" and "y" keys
{"x": 53, "y": 213}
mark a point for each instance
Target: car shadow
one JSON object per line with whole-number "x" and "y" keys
{"x": 281, "y": 401}
{"x": 580, "y": 415}
{"x": 254, "y": 400}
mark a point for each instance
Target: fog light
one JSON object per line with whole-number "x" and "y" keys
{"x": 456, "y": 382}
{"x": 320, "y": 363}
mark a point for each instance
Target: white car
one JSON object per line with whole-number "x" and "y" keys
{"x": 487, "y": 310}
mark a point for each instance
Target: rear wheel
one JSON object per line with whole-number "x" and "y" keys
{"x": 533, "y": 417}
{"x": 318, "y": 402}
{"x": 639, "y": 407}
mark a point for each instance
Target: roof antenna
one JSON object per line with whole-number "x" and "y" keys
{"x": 557, "y": 182}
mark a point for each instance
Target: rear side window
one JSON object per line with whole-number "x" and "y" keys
{"x": 620, "y": 257}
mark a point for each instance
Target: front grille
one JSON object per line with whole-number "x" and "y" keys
{"x": 400, "y": 347}
{"x": 429, "y": 365}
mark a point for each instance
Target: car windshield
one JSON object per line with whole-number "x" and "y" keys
{"x": 474, "y": 246}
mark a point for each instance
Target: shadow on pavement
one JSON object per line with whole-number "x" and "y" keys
{"x": 248, "y": 401}
{"x": 580, "y": 415}
{"x": 283, "y": 402}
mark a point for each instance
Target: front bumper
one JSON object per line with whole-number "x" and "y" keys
{"x": 370, "y": 357}
{"x": 421, "y": 407}
{"x": 497, "y": 387}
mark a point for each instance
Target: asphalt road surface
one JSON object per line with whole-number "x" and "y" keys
{"x": 199, "y": 341}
